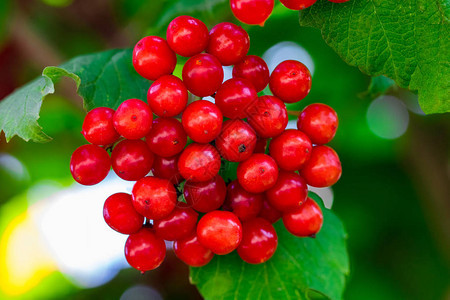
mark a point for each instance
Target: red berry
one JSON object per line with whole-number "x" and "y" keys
{"x": 259, "y": 241}
{"x": 261, "y": 145}
{"x": 323, "y": 168}
{"x": 202, "y": 121}
{"x": 179, "y": 224}
{"x": 298, "y": 4}
{"x": 131, "y": 159}
{"x": 202, "y": 74}
{"x": 167, "y": 96}
{"x": 288, "y": 193}
{"x": 228, "y": 42}
{"x": 167, "y": 137}
{"x": 154, "y": 198}
{"x": 319, "y": 122}
{"x": 145, "y": 251}
{"x": 269, "y": 213}
{"x": 199, "y": 162}
{"x": 291, "y": 149}
{"x": 243, "y": 204}
{"x": 205, "y": 196}
{"x": 258, "y": 173}
{"x": 167, "y": 168}
{"x": 254, "y": 69}
{"x": 254, "y": 12}
{"x": 290, "y": 81}
{"x": 236, "y": 141}
{"x": 187, "y": 36}
{"x": 89, "y": 164}
{"x": 219, "y": 231}
{"x": 98, "y": 127}
{"x": 191, "y": 252}
{"x": 268, "y": 116}
{"x": 133, "y": 119}
{"x": 120, "y": 215}
{"x": 304, "y": 221}
{"x": 153, "y": 58}
{"x": 234, "y": 97}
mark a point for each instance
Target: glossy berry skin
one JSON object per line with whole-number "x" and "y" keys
{"x": 243, "y": 204}
{"x": 304, "y": 221}
{"x": 179, "y": 224}
{"x": 98, "y": 127}
{"x": 202, "y": 121}
{"x": 319, "y": 122}
{"x": 220, "y": 231}
{"x": 167, "y": 96}
{"x": 187, "y": 36}
{"x": 234, "y": 97}
{"x": 133, "y": 119}
{"x": 154, "y": 198}
{"x": 269, "y": 213}
{"x": 202, "y": 74}
{"x": 268, "y": 116}
{"x": 131, "y": 159}
{"x": 228, "y": 42}
{"x": 120, "y": 215}
{"x": 298, "y": 4}
{"x": 89, "y": 164}
{"x": 290, "y": 81}
{"x": 323, "y": 168}
{"x": 288, "y": 193}
{"x": 236, "y": 141}
{"x": 291, "y": 149}
{"x": 259, "y": 241}
{"x": 191, "y": 252}
{"x": 153, "y": 58}
{"x": 258, "y": 173}
{"x": 145, "y": 251}
{"x": 254, "y": 69}
{"x": 253, "y": 12}
{"x": 167, "y": 137}
{"x": 199, "y": 162}
{"x": 205, "y": 196}
{"x": 167, "y": 168}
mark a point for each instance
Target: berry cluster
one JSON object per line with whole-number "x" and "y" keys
{"x": 185, "y": 156}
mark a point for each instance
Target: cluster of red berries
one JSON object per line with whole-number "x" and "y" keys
{"x": 256, "y": 12}
{"x": 185, "y": 178}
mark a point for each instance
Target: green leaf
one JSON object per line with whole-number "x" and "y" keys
{"x": 379, "y": 85}
{"x": 103, "y": 79}
{"x": 300, "y": 268}
{"x": 406, "y": 41}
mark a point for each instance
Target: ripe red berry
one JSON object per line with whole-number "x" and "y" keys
{"x": 319, "y": 122}
{"x": 288, "y": 193}
{"x": 120, "y": 215}
{"x": 187, "y": 36}
{"x": 179, "y": 224}
{"x": 269, "y": 213}
{"x": 89, "y": 164}
{"x": 290, "y": 81}
{"x": 191, "y": 252}
{"x": 133, "y": 119}
{"x": 167, "y": 168}
{"x": 234, "y": 97}
{"x": 268, "y": 116}
{"x": 153, "y": 58}
{"x": 304, "y": 221}
{"x": 131, "y": 159}
{"x": 291, "y": 149}
{"x": 205, "y": 196}
{"x": 298, "y": 4}
{"x": 236, "y": 141}
{"x": 154, "y": 198}
{"x": 167, "y": 96}
{"x": 167, "y": 137}
{"x": 261, "y": 145}
{"x": 202, "y": 74}
{"x": 202, "y": 121}
{"x": 243, "y": 204}
{"x": 258, "y": 173}
{"x": 199, "y": 162}
{"x": 254, "y": 69}
{"x": 98, "y": 126}
{"x": 145, "y": 251}
{"x": 254, "y": 12}
{"x": 259, "y": 241}
{"x": 219, "y": 231}
{"x": 323, "y": 168}
{"x": 228, "y": 42}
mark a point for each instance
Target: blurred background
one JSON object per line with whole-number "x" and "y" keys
{"x": 393, "y": 197}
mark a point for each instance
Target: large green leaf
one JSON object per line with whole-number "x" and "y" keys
{"x": 103, "y": 79}
{"x": 300, "y": 268}
{"x": 403, "y": 40}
